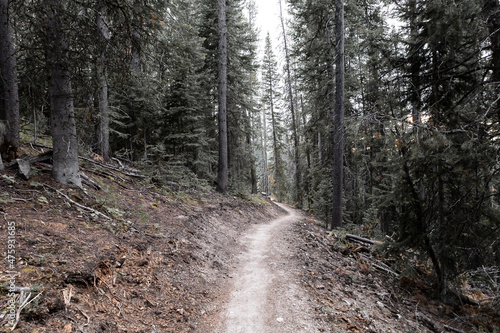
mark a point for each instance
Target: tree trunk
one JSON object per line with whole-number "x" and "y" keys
{"x": 492, "y": 14}
{"x": 253, "y": 172}
{"x": 135, "y": 63}
{"x": 307, "y": 181}
{"x": 9, "y": 98}
{"x": 338, "y": 121}
{"x": 252, "y": 12}
{"x": 103, "y": 117}
{"x": 222, "y": 177}
{"x": 277, "y": 165}
{"x": 104, "y": 36}
{"x": 415, "y": 67}
{"x": 298, "y": 172}
{"x": 65, "y": 161}
{"x": 264, "y": 151}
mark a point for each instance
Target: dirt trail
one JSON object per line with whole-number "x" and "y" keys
{"x": 266, "y": 295}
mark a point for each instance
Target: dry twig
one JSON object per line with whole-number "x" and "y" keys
{"x": 77, "y": 204}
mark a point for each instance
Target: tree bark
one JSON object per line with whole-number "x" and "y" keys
{"x": 277, "y": 165}
{"x": 252, "y": 12}
{"x": 9, "y": 97}
{"x": 102, "y": 134}
{"x": 338, "y": 121}
{"x": 264, "y": 151}
{"x": 135, "y": 63}
{"x": 222, "y": 175}
{"x": 65, "y": 162}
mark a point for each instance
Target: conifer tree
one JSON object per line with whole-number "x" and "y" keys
{"x": 298, "y": 171}
{"x": 222, "y": 177}
{"x": 102, "y": 132}
{"x": 9, "y": 96}
{"x": 270, "y": 98}
{"x": 434, "y": 207}
{"x": 65, "y": 159}
{"x": 338, "y": 117}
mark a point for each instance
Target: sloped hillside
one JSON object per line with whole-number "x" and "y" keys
{"x": 126, "y": 257}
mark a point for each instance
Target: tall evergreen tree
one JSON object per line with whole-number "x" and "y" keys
{"x": 295, "y": 136}
{"x": 103, "y": 36}
{"x": 338, "y": 117}
{"x": 65, "y": 159}
{"x": 9, "y": 96}
{"x": 270, "y": 98}
{"x": 222, "y": 176}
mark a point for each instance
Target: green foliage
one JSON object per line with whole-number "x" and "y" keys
{"x": 241, "y": 99}
{"x": 421, "y": 137}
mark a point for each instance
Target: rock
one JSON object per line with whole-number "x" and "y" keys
{"x": 24, "y": 168}
{"x": 280, "y": 320}
{"x": 328, "y": 310}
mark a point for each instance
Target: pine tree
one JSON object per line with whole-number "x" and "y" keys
{"x": 222, "y": 177}
{"x": 434, "y": 207}
{"x": 241, "y": 69}
{"x": 270, "y": 98}
{"x": 65, "y": 159}
{"x": 338, "y": 117}
{"x": 298, "y": 171}
{"x": 103, "y": 36}
{"x": 9, "y": 96}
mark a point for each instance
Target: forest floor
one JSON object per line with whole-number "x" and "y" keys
{"x": 127, "y": 256}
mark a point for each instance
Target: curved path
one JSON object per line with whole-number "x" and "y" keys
{"x": 266, "y": 295}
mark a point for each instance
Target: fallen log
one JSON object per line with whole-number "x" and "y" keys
{"x": 24, "y": 163}
{"x": 363, "y": 240}
{"x": 35, "y": 159}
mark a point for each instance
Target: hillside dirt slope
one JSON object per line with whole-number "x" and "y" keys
{"x": 129, "y": 257}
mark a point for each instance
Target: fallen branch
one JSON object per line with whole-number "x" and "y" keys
{"x": 119, "y": 162}
{"x": 24, "y": 301}
{"x": 83, "y": 313}
{"x": 327, "y": 248}
{"x": 380, "y": 265}
{"x": 429, "y": 322}
{"x": 77, "y": 204}
{"x": 456, "y": 330}
{"x": 112, "y": 168}
{"x": 361, "y": 239}
{"x": 86, "y": 180}
{"x": 386, "y": 270}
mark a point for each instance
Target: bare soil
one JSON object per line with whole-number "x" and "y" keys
{"x": 265, "y": 294}
{"x": 193, "y": 260}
